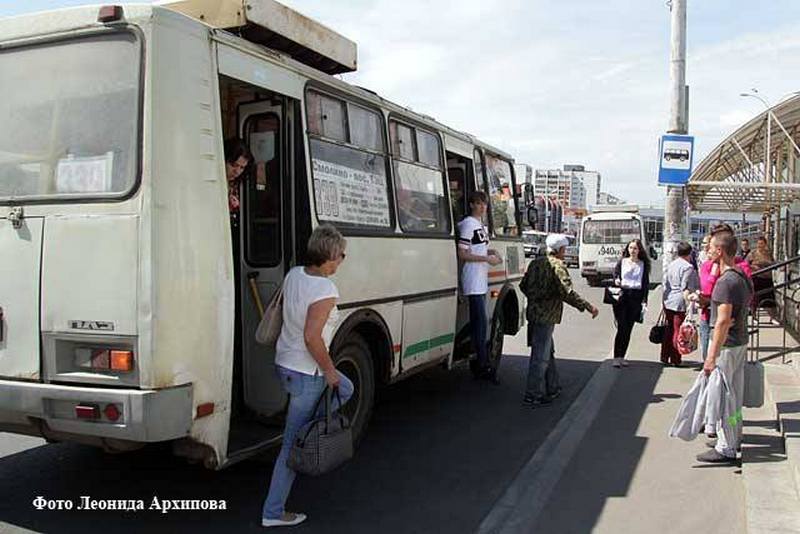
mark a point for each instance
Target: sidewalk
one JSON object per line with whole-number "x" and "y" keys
{"x": 624, "y": 474}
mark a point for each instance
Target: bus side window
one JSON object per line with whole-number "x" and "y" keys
{"x": 458, "y": 171}
{"x": 457, "y": 193}
{"x": 419, "y": 180}
{"x": 264, "y": 194}
{"x": 501, "y": 198}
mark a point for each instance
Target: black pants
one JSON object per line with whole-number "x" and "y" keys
{"x": 627, "y": 311}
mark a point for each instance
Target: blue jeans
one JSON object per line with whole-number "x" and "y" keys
{"x": 542, "y": 372}
{"x": 705, "y": 337}
{"x": 304, "y": 392}
{"x": 477, "y": 328}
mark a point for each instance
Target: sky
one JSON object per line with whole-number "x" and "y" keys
{"x": 557, "y": 82}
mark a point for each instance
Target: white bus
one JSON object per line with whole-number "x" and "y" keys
{"x": 603, "y": 237}
{"x": 119, "y": 287}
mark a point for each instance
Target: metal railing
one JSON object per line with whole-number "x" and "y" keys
{"x": 776, "y": 306}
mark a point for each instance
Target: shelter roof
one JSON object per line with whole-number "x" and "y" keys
{"x": 734, "y": 176}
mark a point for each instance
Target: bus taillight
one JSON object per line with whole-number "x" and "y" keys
{"x": 105, "y": 359}
{"x": 87, "y": 411}
{"x": 121, "y": 360}
{"x": 111, "y": 412}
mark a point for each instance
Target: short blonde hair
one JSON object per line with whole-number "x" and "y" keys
{"x": 325, "y": 244}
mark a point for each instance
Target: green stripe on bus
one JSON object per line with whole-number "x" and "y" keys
{"x": 429, "y": 344}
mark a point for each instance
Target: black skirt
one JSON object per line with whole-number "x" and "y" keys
{"x": 767, "y": 298}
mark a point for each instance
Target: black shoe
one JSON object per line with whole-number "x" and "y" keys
{"x": 555, "y": 394}
{"x": 489, "y": 374}
{"x": 535, "y": 402}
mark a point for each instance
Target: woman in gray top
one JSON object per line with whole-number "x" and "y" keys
{"x": 681, "y": 280}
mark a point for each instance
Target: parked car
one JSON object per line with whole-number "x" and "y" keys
{"x": 571, "y": 256}
{"x": 533, "y": 242}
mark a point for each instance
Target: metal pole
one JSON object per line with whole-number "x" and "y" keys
{"x": 547, "y": 203}
{"x": 674, "y": 213}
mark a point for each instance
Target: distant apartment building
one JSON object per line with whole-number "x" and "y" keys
{"x": 592, "y": 181}
{"x": 565, "y": 186}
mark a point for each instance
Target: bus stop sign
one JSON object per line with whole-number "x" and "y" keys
{"x": 675, "y": 159}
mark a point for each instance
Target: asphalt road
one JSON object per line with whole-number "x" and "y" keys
{"x": 440, "y": 450}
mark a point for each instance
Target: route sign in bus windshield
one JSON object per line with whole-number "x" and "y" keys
{"x": 675, "y": 164}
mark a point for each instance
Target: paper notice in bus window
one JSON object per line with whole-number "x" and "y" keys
{"x": 84, "y": 174}
{"x": 626, "y": 238}
{"x": 350, "y": 196}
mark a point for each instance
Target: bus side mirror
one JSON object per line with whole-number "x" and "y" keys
{"x": 527, "y": 194}
{"x": 533, "y": 217}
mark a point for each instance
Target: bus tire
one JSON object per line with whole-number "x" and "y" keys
{"x": 354, "y": 361}
{"x": 497, "y": 336}
{"x": 494, "y": 344}
{"x": 593, "y": 281}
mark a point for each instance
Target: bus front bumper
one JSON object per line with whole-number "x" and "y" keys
{"x": 52, "y": 411}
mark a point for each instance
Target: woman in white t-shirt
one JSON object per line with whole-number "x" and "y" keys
{"x": 303, "y": 362}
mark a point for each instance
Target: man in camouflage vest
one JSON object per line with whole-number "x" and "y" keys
{"x": 547, "y": 286}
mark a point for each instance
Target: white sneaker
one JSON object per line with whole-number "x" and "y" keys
{"x": 288, "y": 519}
{"x": 617, "y": 362}
{"x": 625, "y": 363}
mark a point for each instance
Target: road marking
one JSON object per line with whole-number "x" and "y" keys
{"x": 518, "y": 508}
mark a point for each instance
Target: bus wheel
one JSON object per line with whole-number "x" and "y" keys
{"x": 494, "y": 344}
{"x": 497, "y": 337}
{"x": 354, "y": 361}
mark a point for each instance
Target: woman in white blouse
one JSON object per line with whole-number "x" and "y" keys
{"x": 302, "y": 360}
{"x": 632, "y": 274}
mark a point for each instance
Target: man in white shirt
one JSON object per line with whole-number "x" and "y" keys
{"x": 474, "y": 252}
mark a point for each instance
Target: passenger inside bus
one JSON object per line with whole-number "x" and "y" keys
{"x": 459, "y": 171}
{"x": 237, "y": 161}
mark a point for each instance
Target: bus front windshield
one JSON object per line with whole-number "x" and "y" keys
{"x": 611, "y": 232}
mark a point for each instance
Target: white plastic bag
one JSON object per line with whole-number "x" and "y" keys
{"x": 690, "y": 419}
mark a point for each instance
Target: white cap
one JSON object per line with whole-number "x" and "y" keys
{"x": 555, "y": 242}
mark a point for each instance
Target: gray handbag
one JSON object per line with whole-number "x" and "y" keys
{"x": 324, "y": 443}
{"x": 753, "y": 384}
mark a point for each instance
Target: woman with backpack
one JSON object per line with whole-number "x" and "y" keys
{"x": 632, "y": 274}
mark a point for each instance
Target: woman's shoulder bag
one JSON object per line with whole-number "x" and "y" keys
{"x": 269, "y": 329}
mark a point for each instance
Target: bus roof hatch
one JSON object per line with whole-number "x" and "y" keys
{"x": 276, "y": 26}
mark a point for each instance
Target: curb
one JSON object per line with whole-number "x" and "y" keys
{"x": 527, "y": 495}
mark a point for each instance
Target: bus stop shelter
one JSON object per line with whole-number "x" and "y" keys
{"x": 755, "y": 169}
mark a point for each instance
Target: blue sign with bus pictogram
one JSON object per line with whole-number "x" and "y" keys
{"x": 675, "y": 154}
